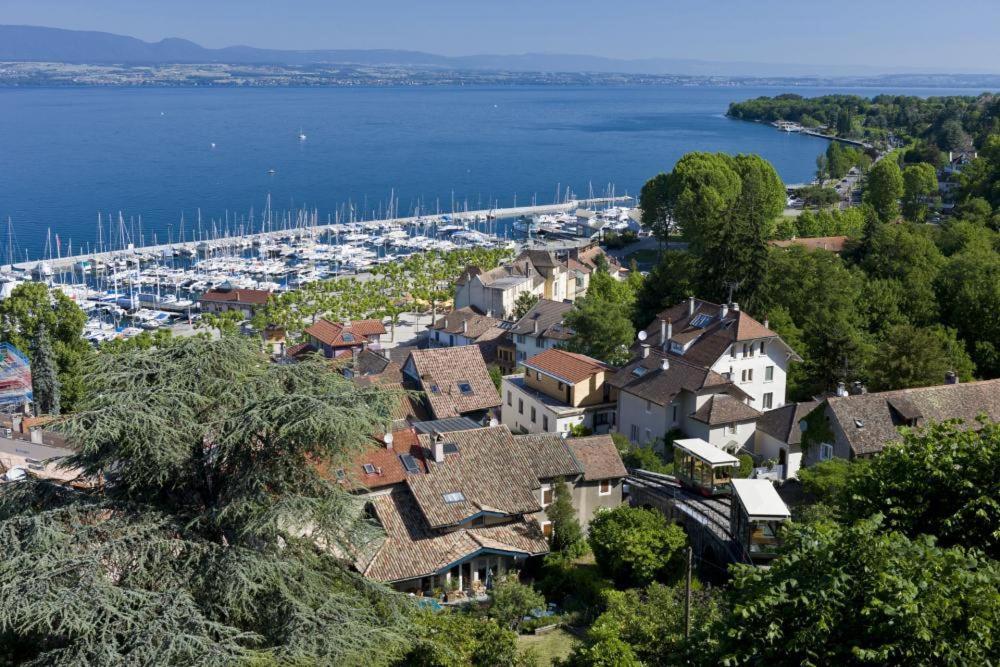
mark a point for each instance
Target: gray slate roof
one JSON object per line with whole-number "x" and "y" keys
{"x": 783, "y": 423}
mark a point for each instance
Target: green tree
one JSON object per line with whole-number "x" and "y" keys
{"x": 227, "y": 323}
{"x": 883, "y": 188}
{"x": 906, "y": 253}
{"x": 655, "y": 204}
{"x": 202, "y": 544}
{"x": 859, "y": 595}
{"x": 909, "y": 356}
{"x": 602, "y": 330}
{"x": 453, "y": 638}
{"x": 511, "y": 601}
{"x": 650, "y": 622}
{"x": 44, "y": 374}
{"x": 969, "y": 293}
{"x": 31, "y": 305}
{"x": 671, "y": 281}
{"x": 942, "y": 480}
{"x": 524, "y": 303}
{"x": 567, "y": 535}
{"x": 919, "y": 183}
{"x": 635, "y": 546}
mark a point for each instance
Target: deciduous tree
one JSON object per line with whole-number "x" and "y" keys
{"x": 883, "y": 188}
{"x": 635, "y": 546}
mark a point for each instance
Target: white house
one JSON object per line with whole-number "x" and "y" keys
{"x": 540, "y": 329}
{"x": 495, "y": 292}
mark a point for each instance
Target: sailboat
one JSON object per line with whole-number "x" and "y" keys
{"x": 302, "y": 135}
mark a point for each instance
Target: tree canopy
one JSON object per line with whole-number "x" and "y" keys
{"x": 213, "y": 537}
{"x": 883, "y": 188}
{"x": 635, "y": 546}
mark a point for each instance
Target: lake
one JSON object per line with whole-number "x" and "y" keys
{"x": 67, "y": 154}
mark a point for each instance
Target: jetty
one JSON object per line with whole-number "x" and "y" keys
{"x": 208, "y": 246}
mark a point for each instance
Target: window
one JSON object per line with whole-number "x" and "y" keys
{"x": 348, "y": 338}
{"x": 732, "y": 351}
{"x": 464, "y": 387}
{"x": 732, "y": 429}
{"x": 561, "y": 386}
{"x": 649, "y": 406}
{"x": 533, "y": 419}
{"x": 451, "y": 339}
{"x": 409, "y": 463}
{"x": 454, "y": 497}
{"x": 510, "y": 398}
{"x": 437, "y": 335}
{"x": 538, "y": 376}
{"x": 746, "y": 375}
{"x": 605, "y": 488}
{"x": 521, "y": 356}
{"x": 520, "y": 338}
{"x": 546, "y": 496}
{"x": 435, "y": 389}
{"x": 547, "y": 528}
{"x": 768, "y": 400}
{"x": 369, "y": 469}
{"x": 762, "y": 344}
{"x": 634, "y": 433}
{"x": 520, "y": 406}
{"x": 749, "y": 375}
{"x": 600, "y": 419}
{"x": 769, "y": 374}
{"x": 540, "y": 342}
{"x": 747, "y": 350}
{"x": 674, "y": 414}
{"x": 545, "y": 422}
{"x": 743, "y": 375}
{"x": 825, "y": 452}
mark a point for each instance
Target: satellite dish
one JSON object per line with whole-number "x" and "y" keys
{"x": 494, "y": 422}
{"x": 387, "y": 438}
{"x": 643, "y": 335}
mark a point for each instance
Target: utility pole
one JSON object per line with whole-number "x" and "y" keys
{"x": 687, "y": 596}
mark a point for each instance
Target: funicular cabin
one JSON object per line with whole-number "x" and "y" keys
{"x": 702, "y": 467}
{"x": 757, "y": 515}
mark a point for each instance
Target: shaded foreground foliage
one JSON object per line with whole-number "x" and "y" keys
{"x": 192, "y": 549}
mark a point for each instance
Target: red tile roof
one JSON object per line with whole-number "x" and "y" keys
{"x": 332, "y": 333}
{"x": 254, "y": 297}
{"x": 440, "y": 371}
{"x": 389, "y": 469}
{"x": 567, "y": 366}
{"x": 598, "y": 457}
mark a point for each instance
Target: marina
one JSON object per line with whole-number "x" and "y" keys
{"x": 126, "y": 289}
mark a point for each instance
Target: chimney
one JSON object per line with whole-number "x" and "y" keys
{"x": 670, "y": 328}
{"x": 735, "y": 306}
{"x": 723, "y": 311}
{"x": 645, "y": 350}
{"x": 664, "y": 364}
{"x": 841, "y": 389}
{"x": 438, "y": 448}
{"x": 465, "y": 327}
{"x": 663, "y": 332}
{"x": 534, "y": 327}
{"x": 951, "y": 377}
{"x": 767, "y": 323}
{"x": 690, "y": 306}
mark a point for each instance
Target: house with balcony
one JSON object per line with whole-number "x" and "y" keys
{"x": 457, "y": 509}
{"x": 454, "y": 381}
{"x": 339, "y": 339}
{"x": 557, "y": 391}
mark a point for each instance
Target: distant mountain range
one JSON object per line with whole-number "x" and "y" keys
{"x": 40, "y": 44}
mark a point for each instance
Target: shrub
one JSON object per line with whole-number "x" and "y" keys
{"x": 635, "y": 546}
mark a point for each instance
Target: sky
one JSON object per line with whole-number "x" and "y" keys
{"x": 886, "y": 34}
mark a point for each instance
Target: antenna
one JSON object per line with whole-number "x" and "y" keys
{"x": 732, "y": 286}
{"x": 642, "y": 335}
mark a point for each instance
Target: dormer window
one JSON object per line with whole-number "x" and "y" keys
{"x": 348, "y": 338}
{"x": 435, "y": 389}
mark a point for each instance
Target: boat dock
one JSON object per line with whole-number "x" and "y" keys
{"x": 208, "y": 246}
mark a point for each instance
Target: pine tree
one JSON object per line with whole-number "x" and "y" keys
{"x": 213, "y": 537}
{"x": 567, "y": 536}
{"x": 44, "y": 374}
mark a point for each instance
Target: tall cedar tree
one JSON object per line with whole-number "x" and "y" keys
{"x": 213, "y": 537}
{"x": 44, "y": 374}
{"x": 567, "y": 536}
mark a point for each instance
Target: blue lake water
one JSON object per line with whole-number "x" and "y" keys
{"x": 68, "y": 154}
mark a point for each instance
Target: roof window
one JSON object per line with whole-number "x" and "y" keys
{"x": 409, "y": 463}
{"x": 464, "y": 387}
{"x": 370, "y": 469}
{"x": 450, "y": 448}
{"x": 638, "y": 371}
{"x": 454, "y": 497}
{"x": 700, "y": 321}
{"x": 348, "y": 338}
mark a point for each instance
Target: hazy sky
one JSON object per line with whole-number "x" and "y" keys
{"x": 962, "y": 35}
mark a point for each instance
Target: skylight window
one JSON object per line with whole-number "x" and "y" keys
{"x": 701, "y": 321}
{"x": 348, "y": 338}
{"x": 464, "y": 387}
{"x": 341, "y": 474}
{"x": 638, "y": 371}
{"x": 450, "y": 448}
{"x": 435, "y": 389}
{"x": 409, "y": 463}
{"x": 454, "y": 497}
{"x": 370, "y": 469}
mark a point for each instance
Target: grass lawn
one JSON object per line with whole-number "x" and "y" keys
{"x": 555, "y": 644}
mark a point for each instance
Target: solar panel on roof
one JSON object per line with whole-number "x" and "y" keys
{"x": 409, "y": 463}
{"x": 701, "y": 321}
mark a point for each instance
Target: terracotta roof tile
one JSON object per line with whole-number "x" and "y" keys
{"x": 548, "y": 455}
{"x": 567, "y": 366}
{"x": 465, "y": 322}
{"x": 645, "y": 378}
{"x": 549, "y": 316}
{"x": 337, "y": 334}
{"x": 253, "y": 297}
{"x": 869, "y": 421}
{"x": 783, "y": 423}
{"x": 597, "y": 456}
{"x": 442, "y": 374}
{"x": 412, "y": 548}
{"x": 489, "y": 470}
{"x": 724, "y": 409}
